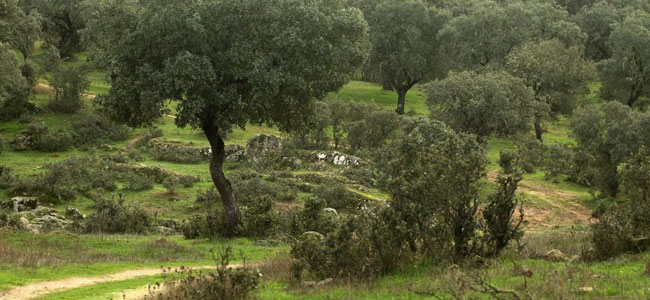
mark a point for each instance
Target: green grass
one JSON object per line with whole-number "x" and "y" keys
{"x": 107, "y": 290}
{"x": 359, "y": 91}
{"x": 26, "y": 258}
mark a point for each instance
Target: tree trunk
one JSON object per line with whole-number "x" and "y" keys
{"x": 228, "y": 199}
{"x": 633, "y": 98}
{"x": 386, "y": 86}
{"x": 401, "y": 100}
{"x": 538, "y": 127}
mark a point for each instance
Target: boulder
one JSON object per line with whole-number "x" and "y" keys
{"x": 555, "y": 255}
{"x": 164, "y": 230}
{"x": 236, "y": 156}
{"x": 261, "y": 146}
{"x": 50, "y": 223}
{"x": 24, "y": 224}
{"x": 24, "y": 203}
{"x": 232, "y": 149}
{"x": 313, "y": 235}
{"x": 337, "y": 158}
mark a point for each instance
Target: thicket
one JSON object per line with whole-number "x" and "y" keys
{"x": 95, "y": 128}
{"x": 111, "y": 216}
{"x": 433, "y": 175}
{"x": 69, "y": 84}
{"x": 38, "y": 136}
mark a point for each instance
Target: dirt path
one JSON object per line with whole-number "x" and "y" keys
{"x": 561, "y": 209}
{"x": 40, "y": 289}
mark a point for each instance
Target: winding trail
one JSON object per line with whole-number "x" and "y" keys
{"x": 44, "y": 288}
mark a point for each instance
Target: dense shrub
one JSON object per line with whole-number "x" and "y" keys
{"x": 173, "y": 151}
{"x": 558, "y": 160}
{"x": 112, "y": 216}
{"x": 28, "y": 70}
{"x": 312, "y": 217}
{"x": 69, "y": 84}
{"x": 39, "y": 137}
{"x": 312, "y": 134}
{"x": 226, "y": 283}
{"x": 92, "y": 128}
{"x": 143, "y": 140}
{"x": 623, "y": 228}
{"x": 7, "y": 178}
{"x": 335, "y": 195}
{"x": 369, "y": 126}
{"x": 531, "y": 154}
{"x": 137, "y": 182}
{"x": 204, "y": 226}
{"x": 208, "y": 196}
{"x": 258, "y": 218}
{"x": 249, "y": 189}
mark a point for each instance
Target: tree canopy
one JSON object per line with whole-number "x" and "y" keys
{"x": 405, "y": 48}
{"x": 228, "y": 63}
{"x": 17, "y": 28}
{"x": 482, "y": 104}
{"x": 557, "y": 75}
{"x": 626, "y": 75}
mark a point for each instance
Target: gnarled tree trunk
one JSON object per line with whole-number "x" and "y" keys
{"x": 228, "y": 198}
{"x": 401, "y": 100}
{"x": 539, "y": 130}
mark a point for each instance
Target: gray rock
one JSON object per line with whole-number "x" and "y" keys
{"x": 261, "y": 146}
{"x": 164, "y": 230}
{"x": 21, "y": 142}
{"x": 237, "y": 156}
{"x": 50, "y": 223}
{"x": 232, "y": 149}
{"x": 337, "y": 158}
{"x": 25, "y": 225}
{"x": 24, "y": 203}
{"x": 313, "y": 235}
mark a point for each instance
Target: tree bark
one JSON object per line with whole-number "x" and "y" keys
{"x": 539, "y": 130}
{"x": 228, "y": 198}
{"x": 401, "y": 100}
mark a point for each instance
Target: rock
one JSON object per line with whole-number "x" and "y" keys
{"x": 586, "y": 289}
{"x": 164, "y": 230}
{"x": 73, "y": 214}
{"x": 232, "y": 149}
{"x": 597, "y": 276}
{"x": 555, "y": 255}
{"x": 25, "y": 225}
{"x": 24, "y": 203}
{"x": 325, "y": 282}
{"x": 337, "y": 158}
{"x": 237, "y": 156}
{"x": 313, "y": 235}
{"x": 50, "y": 223}
{"x": 261, "y": 146}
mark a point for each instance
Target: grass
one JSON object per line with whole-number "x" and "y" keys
{"x": 26, "y": 258}
{"x": 360, "y": 91}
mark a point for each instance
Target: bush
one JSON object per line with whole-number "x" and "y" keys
{"x": 369, "y": 126}
{"x": 28, "y": 70}
{"x": 171, "y": 183}
{"x": 91, "y": 128}
{"x": 53, "y": 141}
{"x": 531, "y": 154}
{"x": 258, "y": 217}
{"x": 208, "y": 196}
{"x": 558, "y": 161}
{"x": 249, "y": 189}
{"x": 137, "y": 182}
{"x": 177, "y": 152}
{"x": 39, "y": 137}
{"x": 69, "y": 84}
{"x": 226, "y": 283}
{"x": 152, "y": 133}
{"x": 336, "y": 195}
{"x": 1, "y": 144}
{"x": 7, "y": 179}
{"x": 204, "y": 226}
{"x": 116, "y": 217}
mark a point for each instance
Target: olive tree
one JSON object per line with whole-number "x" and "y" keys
{"x": 226, "y": 64}
{"x": 405, "y": 48}
{"x": 626, "y": 75}
{"x": 482, "y": 104}
{"x": 557, "y": 75}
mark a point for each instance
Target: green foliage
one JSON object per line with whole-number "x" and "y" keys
{"x": 404, "y": 44}
{"x": 597, "y": 22}
{"x": 14, "y": 88}
{"x": 250, "y": 189}
{"x": 608, "y": 136}
{"x": 62, "y": 21}
{"x": 17, "y": 28}
{"x": 626, "y": 76}
{"x": 69, "y": 84}
{"x": 39, "y": 137}
{"x": 368, "y": 126}
{"x": 201, "y": 226}
{"x": 486, "y": 31}
{"x": 112, "y": 216}
{"x": 336, "y": 196}
{"x": 177, "y": 152}
{"x": 93, "y": 128}
{"x": 530, "y": 154}
{"x": 138, "y": 182}
{"x": 28, "y": 70}
{"x": 258, "y": 217}
{"x": 482, "y": 104}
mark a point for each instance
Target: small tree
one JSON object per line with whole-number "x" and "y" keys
{"x": 482, "y": 104}
{"x": 626, "y": 76}
{"x": 14, "y": 88}
{"x": 227, "y": 63}
{"x": 69, "y": 84}
{"x": 557, "y": 74}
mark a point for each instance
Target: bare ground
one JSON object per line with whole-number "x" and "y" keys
{"x": 560, "y": 209}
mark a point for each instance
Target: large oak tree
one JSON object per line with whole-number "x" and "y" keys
{"x": 227, "y": 63}
{"x": 405, "y": 48}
